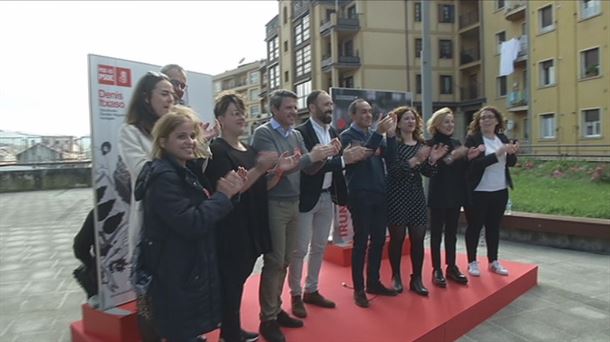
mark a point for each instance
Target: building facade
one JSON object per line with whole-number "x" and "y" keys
{"x": 553, "y": 91}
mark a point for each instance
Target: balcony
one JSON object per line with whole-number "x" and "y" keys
{"x": 522, "y": 55}
{"x": 516, "y": 101}
{"x": 469, "y": 19}
{"x": 272, "y": 27}
{"x": 470, "y": 92}
{"x": 343, "y": 62}
{"x": 469, "y": 56}
{"x": 339, "y": 25}
{"x": 515, "y": 10}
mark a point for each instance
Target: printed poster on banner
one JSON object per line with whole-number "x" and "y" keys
{"x": 111, "y": 83}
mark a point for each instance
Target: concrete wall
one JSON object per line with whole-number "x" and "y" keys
{"x": 45, "y": 179}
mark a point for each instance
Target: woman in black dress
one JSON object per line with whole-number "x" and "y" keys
{"x": 406, "y": 200}
{"x": 245, "y": 233}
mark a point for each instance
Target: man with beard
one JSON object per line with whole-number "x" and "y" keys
{"x": 318, "y": 192}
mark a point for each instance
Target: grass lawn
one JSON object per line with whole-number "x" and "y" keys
{"x": 562, "y": 188}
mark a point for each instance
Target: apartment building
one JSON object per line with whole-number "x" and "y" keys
{"x": 248, "y": 80}
{"x": 553, "y": 90}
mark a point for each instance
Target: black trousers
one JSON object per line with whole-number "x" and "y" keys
{"x": 487, "y": 210}
{"x": 235, "y": 268}
{"x": 369, "y": 219}
{"x": 443, "y": 219}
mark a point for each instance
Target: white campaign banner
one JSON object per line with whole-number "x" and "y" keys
{"x": 111, "y": 82}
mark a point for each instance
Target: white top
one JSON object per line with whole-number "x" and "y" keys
{"x": 494, "y": 177}
{"x": 323, "y": 134}
{"x": 135, "y": 148}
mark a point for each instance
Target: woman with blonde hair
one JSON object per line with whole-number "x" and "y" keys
{"x": 406, "y": 200}
{"x": 446, "y": 195}
{"x": 488, "y": 179}
{"x": 178, "y": 240}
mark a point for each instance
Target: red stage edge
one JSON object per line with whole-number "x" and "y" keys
{"x": 342, "y": 255}
{"x": 115, "y": 325}
{"x": 469, "y": 318}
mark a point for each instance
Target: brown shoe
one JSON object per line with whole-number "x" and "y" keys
{"x": 315, "y": 298}
{"x": 298, "y": 308}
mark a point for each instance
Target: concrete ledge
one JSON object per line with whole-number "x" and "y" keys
{"x": 578, "y": 233}
{"x": 45, "y": 179}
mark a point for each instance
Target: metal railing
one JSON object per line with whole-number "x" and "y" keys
{"x": 592, "y": 152}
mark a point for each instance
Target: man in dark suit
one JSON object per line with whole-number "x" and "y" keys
{"x": 318, "y": 193}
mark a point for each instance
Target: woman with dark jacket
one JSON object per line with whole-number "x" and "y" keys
{"x": 180, "y": 222}
{"x": 406, "y": 200}
{"x": 446, "y": 195}
{"x": 488, "y": 179}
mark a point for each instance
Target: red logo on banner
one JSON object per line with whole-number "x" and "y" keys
{"x": 105, "y": 74}
{"x": 110, "y": 75}
{"x": 123, "y": 77}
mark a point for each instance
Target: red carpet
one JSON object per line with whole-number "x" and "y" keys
{"x": 444, "y": 315}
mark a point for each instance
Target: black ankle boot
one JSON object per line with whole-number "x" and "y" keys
{"x": 417, "y": 286}
{"x": 397, "y": 283}
{"x": 438, "y": 279}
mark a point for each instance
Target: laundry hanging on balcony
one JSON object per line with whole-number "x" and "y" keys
{"x": 508, "y": 53}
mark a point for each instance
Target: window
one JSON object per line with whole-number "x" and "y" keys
{"x": 591, "y": 126}
{"x": 446, "y": 85}
{"x": 418, "y": 84}
{"x": 545, "y": 18}
{"x": 273, "y": 48}
{"x": 285, "y": 46}
{"x": 285, "y": 15}
{"x": 501, "y": 86}
{"x": 274, "y": 77}
{"x": 348, "y": 48}
{"x": 303, "y": 61}
{"x": 254, "y": 79}
{"x": 348, "y": 82}
{"x": 253, "y": 94}
{"x": 351, "y": 12}
{"x": 303, "y": 89}
{"x": 217, "y": 86}
{"x": 445, "y": 13}
{"x": 500, "y": 4}
{"x": 286, "y": 76}
{"x": 417, "y": 11}
{"x": 547, "y": 73}
{"x": 589, "y": 8}
{"x": 500, "y": 38}
{"x": 547, "y": 126}
{"x": 301, "y": 30}
{"x": 418, "y": 47}
{"x": 445, "y": 49}
{"x": 589, "y": 61}
{"x": 255, "y": 110}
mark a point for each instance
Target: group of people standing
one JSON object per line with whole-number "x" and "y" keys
{"x": 206, "y": 205}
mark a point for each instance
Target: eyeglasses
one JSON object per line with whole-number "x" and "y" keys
{"x": 178, "y": 84}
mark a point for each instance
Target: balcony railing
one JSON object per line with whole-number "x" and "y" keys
{"x": 515, "y": 10}
{"x": 516, "y": 99}
{"x": 469, "y": 18}
{"x": 343, "y": 62}
{"x": 523, "y": 46}
{"x": 469, "y": 56}
{"x": 340, "y": 25}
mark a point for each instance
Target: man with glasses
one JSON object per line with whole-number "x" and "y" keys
{"x": 177, "y": 76}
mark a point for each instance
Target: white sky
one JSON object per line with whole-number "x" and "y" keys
{"x": 44, "y": 48}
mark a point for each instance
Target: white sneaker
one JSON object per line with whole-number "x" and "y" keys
{"x": 473, "y": 269}
{"x": 496, "y": 267}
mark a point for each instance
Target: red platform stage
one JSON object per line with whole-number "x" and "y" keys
{"x": 443, "y": 316}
